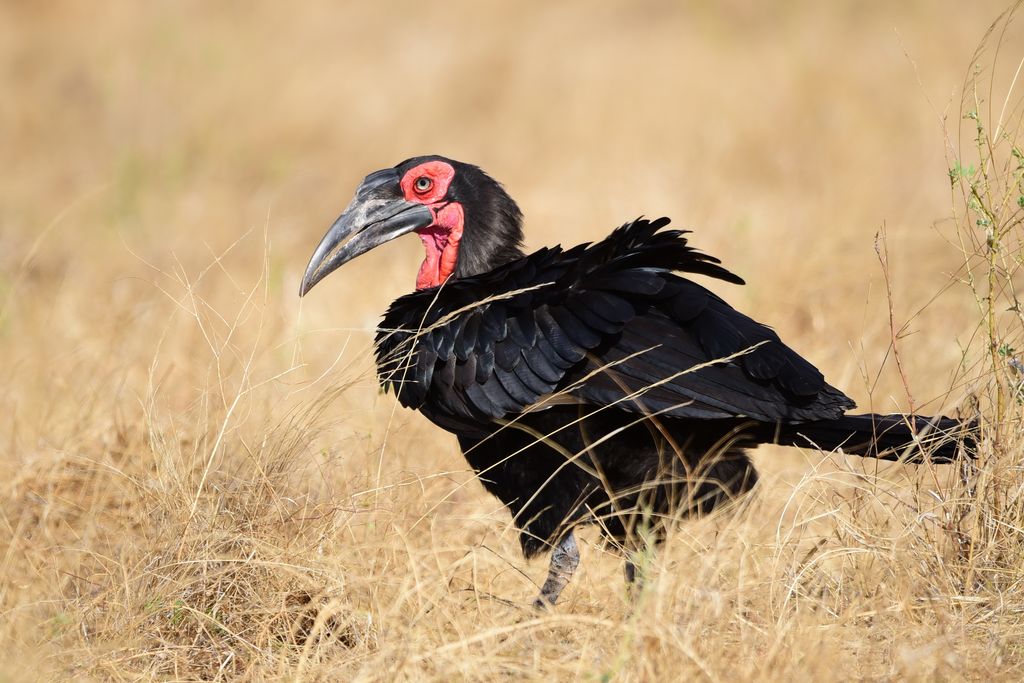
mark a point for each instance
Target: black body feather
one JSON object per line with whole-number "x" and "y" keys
{"x": 597, "y": 384}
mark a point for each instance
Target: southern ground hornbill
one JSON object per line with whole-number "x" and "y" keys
{"x": 591, "y": 384}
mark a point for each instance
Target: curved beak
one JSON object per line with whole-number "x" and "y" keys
{"x": 378, "y": 214}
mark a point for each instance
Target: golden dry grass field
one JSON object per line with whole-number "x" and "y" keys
{"x": 199, "y": 478}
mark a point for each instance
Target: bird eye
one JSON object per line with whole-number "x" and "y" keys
{"x": 423, "y": 183}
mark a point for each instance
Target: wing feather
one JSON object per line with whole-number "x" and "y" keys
{"x": 609, "y": 322}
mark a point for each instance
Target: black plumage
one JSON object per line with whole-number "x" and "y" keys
{"x": 598, "y": 384}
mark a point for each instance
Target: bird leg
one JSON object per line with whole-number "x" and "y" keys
{"x": 634, "y": 578}
{"x": 635, "y": 571}
{"x": 630, "y": 572}
{"x": 564, "y": 560}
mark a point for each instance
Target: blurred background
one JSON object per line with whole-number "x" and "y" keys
{"x": 168, "y": 167}
{"x": 785, "y": 137}
{"x": 142, "y": 140}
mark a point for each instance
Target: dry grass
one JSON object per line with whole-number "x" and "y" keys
{"x": 201, "y": 479}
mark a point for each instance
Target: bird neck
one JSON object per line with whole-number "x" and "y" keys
{"x": 476, "y": 258}
{"x": 493, "y": 236}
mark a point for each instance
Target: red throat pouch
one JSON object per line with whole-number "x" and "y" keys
{"x": 441, "y": 242}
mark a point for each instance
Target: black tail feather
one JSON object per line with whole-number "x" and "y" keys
{"x": 886, "y": 437}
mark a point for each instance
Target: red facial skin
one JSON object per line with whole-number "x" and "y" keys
{"x": 440, "y": 238}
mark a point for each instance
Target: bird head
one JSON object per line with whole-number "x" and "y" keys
{"x": 467, "y": 222}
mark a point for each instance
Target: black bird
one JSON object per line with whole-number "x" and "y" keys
{"x": 591, "y": 384}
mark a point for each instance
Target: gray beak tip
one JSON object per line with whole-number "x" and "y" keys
{"x": 310, "y": 278}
